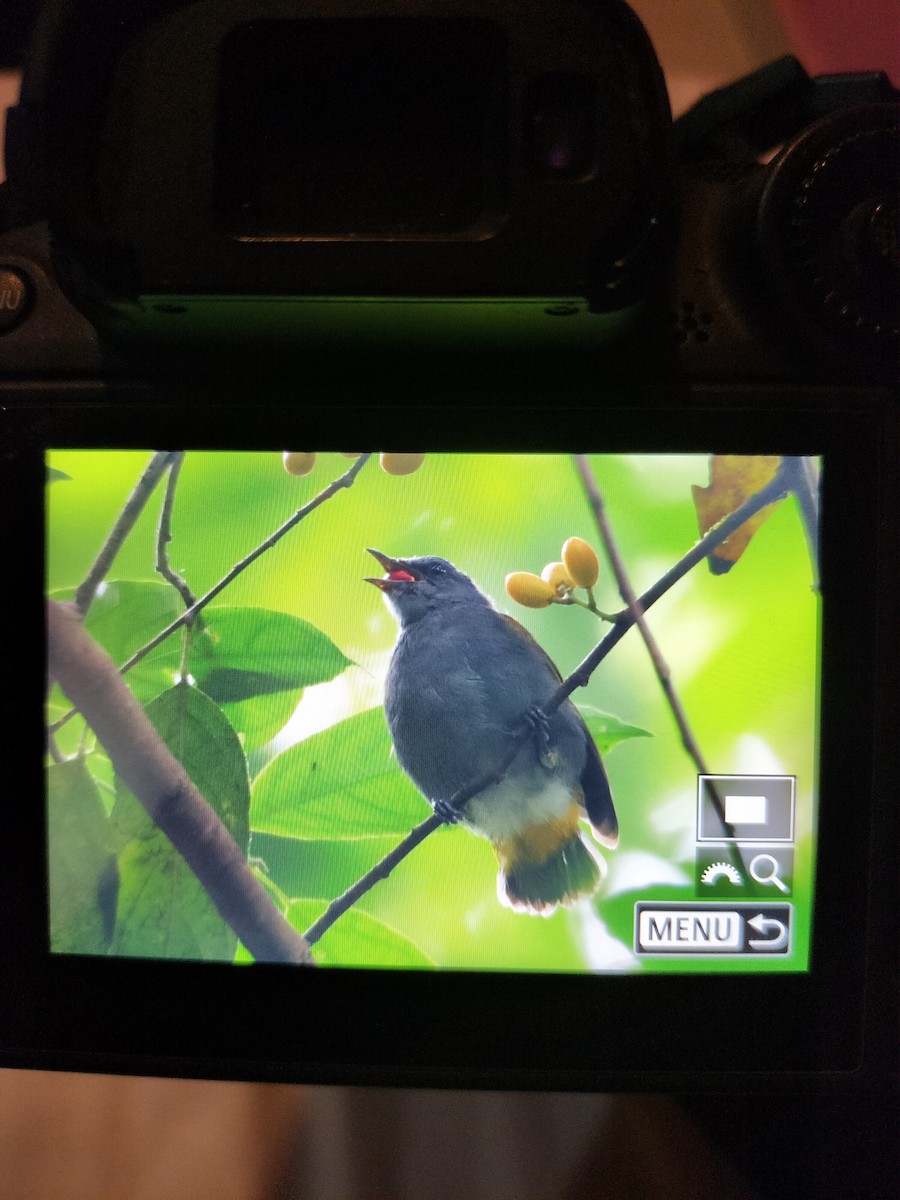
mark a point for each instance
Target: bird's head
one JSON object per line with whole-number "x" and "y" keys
{"x": 416, "y": 586}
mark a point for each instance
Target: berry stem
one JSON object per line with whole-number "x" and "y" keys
{"x": 592, "y": 605}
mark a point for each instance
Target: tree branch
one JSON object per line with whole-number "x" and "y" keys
{"x": 774, "y": 490}
{"x": 380, "y": 871}
{"x": 91, "y": 680}
{"x": 124, "y": 524}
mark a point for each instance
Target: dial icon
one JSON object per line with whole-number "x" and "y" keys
{"x": 718, "y": 870}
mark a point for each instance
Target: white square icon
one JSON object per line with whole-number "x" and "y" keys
{"x": 745, "y": 810}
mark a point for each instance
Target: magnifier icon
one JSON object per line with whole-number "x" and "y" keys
{"x": 764, "y": 869}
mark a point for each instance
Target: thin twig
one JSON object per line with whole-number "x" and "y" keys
{"x": 660, "y": 666}
{"x": 774, "y": 490}
{"x": 629, "y": 596}
{"x": 54, "y": 751}
{"x": 124, "y": 524}
{"x": 164, "y": 534}
{"x": 380, "y": 871}
{"x": 344, "y": 481}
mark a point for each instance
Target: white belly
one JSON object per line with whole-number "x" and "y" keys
{"x": 503, "y": 811}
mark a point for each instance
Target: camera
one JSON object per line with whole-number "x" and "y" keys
{"x": 473, "y": 232}
{"x": 270, "y": 173}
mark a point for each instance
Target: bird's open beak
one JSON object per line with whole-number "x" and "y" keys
{"x": 398, "y": 572}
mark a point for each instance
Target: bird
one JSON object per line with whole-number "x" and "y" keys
{"x": 463, "y": 678}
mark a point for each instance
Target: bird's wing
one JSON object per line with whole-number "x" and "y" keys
{"x": 598, "y": 799}
{"x": 596, "y": 795}
{"x": 522, "y": 632}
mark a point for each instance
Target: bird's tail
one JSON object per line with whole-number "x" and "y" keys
{"x": 536, "y": 877}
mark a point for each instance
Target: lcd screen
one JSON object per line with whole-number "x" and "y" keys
{"x": 658, "y": 818}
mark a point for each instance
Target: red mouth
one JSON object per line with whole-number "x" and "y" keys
{"x": 397, "y": 572}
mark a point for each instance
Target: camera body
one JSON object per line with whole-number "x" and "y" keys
{"x": 470, "y": 226}
{"x": 393, "y": 175}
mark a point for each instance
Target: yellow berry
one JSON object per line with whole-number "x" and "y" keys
{"x": 581, "y": 562}
{"x": 558, "y": 577}
{"x": 401, "y": 464}
{"x": 298, "y": 462}
{"x": 529, "y": 590}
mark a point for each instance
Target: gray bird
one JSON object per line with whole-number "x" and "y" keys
{"x": 462, "y": 679}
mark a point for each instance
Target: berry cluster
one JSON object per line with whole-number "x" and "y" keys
{"x": 558, "y": 580}
{"x": 301, "y": 462}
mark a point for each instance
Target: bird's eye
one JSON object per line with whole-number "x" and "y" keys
{"x": 439, "y": 570}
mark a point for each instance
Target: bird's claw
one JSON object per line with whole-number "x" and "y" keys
{"x": 540, "y": 724}
{"x": 445, "y": 810}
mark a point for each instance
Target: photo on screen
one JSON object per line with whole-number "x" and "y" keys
{"x": 477, "y": 712}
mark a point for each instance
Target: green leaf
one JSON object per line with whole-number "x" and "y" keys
{"x": 319, "y": 868}
{"x": 343, "y": 783}
{"x": 257, "y": 721}
{"x": 82, "y": 864}
{"x": 163, "y": 909}
{"x": 256, "y": 662}
{"x": 54, "y": 475}
{"x": 356, "y": 939}
{"x": 101, "y": 771}
{"x": 255, "y": 652}
{"x": 607, "y": 731}
{"x": 163, "y": 912}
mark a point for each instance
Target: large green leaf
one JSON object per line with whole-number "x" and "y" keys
{"x": 256, "y": 663}
{"x": 607, "y": 731}
{"x": 257, "y": 721}
{"x": 82, "y": 863}
{"x": 163, "y": 909}
{"x": 318, "y": 868}
{"x": 356, "y": 939}
{"x": 255, "y": 652}
{"x": 343, "y": 783}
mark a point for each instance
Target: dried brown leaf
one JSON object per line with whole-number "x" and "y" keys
{"x": 733, "y": 479}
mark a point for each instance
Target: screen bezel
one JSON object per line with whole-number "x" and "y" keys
{"x": 457, "y": 1028}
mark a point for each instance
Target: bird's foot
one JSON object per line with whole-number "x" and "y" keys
{"x": 445, "y": 810}
{"x": 540, "y": 724}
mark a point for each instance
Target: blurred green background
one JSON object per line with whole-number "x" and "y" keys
{"x": 741, "y": 648}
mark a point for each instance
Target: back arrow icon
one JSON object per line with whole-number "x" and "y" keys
{"x": 766, "y": 926}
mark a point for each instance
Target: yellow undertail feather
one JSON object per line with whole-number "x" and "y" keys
{"x": 547, "y": 865}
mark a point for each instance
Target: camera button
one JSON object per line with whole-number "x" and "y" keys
{"x": 15, "y": 297}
